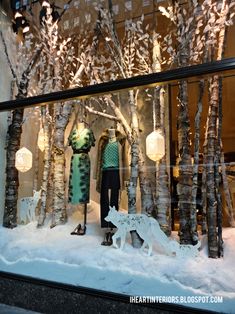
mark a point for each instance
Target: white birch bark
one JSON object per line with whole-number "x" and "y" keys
{"x": 47, "y": 165}
{"x": 197, "y": 123}
{"x": 183, "y": 123}
{"x": 185, "y": 165}
{"x": 62, "y": 113}
{"x": 214, "y": 214}
{"x": 36, "y": 168}
{"x": 210, "y": 177}
{"x": 13, "y": 144}
{"x": 227, "y": 194}
{"x": 163, "y": 199}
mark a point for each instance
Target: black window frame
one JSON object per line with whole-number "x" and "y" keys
{"x": 202, "y": 70}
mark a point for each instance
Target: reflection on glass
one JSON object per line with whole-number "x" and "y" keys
{"x": 94, "y": 158}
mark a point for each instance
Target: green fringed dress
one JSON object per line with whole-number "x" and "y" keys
{"x": 79, "y": 180}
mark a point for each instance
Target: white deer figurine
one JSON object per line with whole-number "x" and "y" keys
{"x": 27, "y": 207}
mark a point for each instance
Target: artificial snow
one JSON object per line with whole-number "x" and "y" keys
{"x": 54, "y": 254}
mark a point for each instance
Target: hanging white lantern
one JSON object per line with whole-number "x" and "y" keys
{"x": 41, "y": 140}
{"x": 155, "y": 146}
{"x": 24, "y": 160}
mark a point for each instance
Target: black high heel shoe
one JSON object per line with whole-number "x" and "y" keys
{"x": 82, "y": 231}
{"x": 107, "y": 239}
{"x": 110, "y": 240}
{"x": 79, "y": 230}
{"x": 76, "y": 230}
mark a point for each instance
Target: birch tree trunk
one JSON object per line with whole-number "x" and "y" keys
{"x": 217, "y": 172}
{"x": 36, "y": 155}
{"x": 211, "y": 151}
{"x": 162, "y": 177}
{"x": 13, "y": 145}
{"x": 222, "y": 41}
{"x": 204, "y": 169}
{"x": 185, "y": 166}
{"x": 145, "y": 188}
{"x": 227, "y": 194}
{"x": 204, "y": 186}
{"x": 14, "y": 136}
{"x": 183, "y": 123}
{"x": 12, "y": 177}
{"x": 163, "y": 198}
{"x": 132, "y": 185}
{"x": 131, "y": 191}
{"x": 47, "y": 166}
{"x": 193, "y": 214}
{"x": 134, "y": 156}
{"x": 214, "y": 212}
{"x": 35, "y": 162}
{"x": 147, "y": 203}
{"x": 135, "y": 149}
{"x": 62, "y": 112}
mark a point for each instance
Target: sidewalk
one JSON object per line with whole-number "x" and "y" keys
{"x": 7, "y": 309}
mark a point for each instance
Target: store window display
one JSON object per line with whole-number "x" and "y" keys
{"x": 81, "y": 141}
{"x": 111, "y": 172}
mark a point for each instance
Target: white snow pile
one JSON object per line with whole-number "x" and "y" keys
{"x": 54, "y": 254}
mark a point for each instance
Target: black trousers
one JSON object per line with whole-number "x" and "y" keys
{"x": 110, "y": 181}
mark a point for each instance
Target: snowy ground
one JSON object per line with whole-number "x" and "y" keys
{"x": 54, "y": 254}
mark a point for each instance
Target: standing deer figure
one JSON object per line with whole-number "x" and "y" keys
{"x": 27, "y": 207}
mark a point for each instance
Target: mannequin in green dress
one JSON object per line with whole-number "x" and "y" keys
{"x": 81, "y": 141}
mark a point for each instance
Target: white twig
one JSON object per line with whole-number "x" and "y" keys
{"x": 102, "y": 114}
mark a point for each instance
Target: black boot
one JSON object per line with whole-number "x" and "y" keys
{"x": 106, "y": 241}
{"x": 110, "y": 240}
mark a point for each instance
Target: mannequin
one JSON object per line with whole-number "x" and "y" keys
{"x": 81, "y": 140}
{"x": 110, "y": 172}
{"x": 112, "y": 135}
{"x": 80, "y": 126}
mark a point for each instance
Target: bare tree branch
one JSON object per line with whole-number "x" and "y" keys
{"x": 102, "y": 114}
{"x": 32, "y": 62}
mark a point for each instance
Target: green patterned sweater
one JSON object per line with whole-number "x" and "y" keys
{"x": 111, "y": 156}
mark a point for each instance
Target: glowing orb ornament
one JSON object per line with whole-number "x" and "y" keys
{"x": 23, "y": 160}
{"x": 155, "y": 146}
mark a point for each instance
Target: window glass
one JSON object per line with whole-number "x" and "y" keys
{"x": 143, "y": 161}
{"x": 79, "y": 165}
